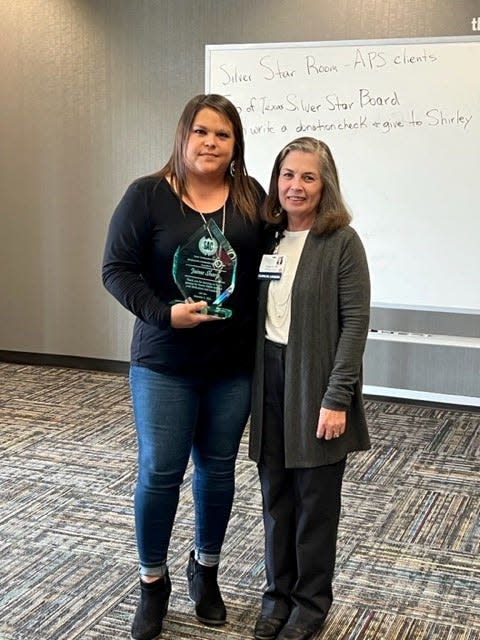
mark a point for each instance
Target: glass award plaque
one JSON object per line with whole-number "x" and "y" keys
{"x": 205, "y": 268}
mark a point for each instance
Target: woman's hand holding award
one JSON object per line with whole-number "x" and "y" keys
{"x": 205, "y": 267}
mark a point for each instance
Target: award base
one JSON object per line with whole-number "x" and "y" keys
{"x": 211, "y": 310}
{"x": 220, "y": 312}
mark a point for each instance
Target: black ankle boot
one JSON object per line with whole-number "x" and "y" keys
{"x": 152, "y": 608}
{"x": 204, "y": 592}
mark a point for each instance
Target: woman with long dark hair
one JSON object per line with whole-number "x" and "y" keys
{"x": 190, "y": 371}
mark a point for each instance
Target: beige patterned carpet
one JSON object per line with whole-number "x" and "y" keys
{"x": 409, "y": 549}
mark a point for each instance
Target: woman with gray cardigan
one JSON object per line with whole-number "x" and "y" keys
{"x": 307, "y": 411}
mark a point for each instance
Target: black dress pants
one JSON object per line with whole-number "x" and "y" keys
{"x": 301, "y": 510}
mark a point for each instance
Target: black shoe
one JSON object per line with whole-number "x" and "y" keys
{"x": 267, "y": 628}
{"x": 152, "y": 608}
{"x": 290, "y": 632}
{"x": 204, "y": 592}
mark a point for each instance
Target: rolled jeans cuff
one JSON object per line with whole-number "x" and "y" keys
{"x": 159, "y": 571}
{"x": 207, "y": 559}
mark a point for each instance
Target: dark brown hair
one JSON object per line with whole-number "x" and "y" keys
{"x": 242, "y": 191}
{"x": 332, "y": 213}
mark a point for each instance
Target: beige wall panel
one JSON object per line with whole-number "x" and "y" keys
{"x": 90, "y": 94}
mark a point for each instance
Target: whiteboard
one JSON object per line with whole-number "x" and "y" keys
{"x": 402, "y": 118}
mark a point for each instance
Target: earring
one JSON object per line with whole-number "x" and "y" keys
{"x": 232, "y": 168}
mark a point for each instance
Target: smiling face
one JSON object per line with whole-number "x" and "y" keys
{"x": 300, "y": 188}
{"x": 210, "y": 145}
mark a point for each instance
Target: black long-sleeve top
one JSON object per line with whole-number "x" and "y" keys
{"x": 146, "y": 228}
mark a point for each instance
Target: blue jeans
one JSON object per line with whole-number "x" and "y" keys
{"x": 176, "y": 416}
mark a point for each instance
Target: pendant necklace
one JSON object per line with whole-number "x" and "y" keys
{"x": 278, "y": 308}
{"x": 212, "y": 245}
{"x": 204, "y": 218}
{"x": 280, "y": 292}
{"x": 223, "y": 219}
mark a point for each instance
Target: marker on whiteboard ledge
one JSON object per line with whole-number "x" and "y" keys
{"x": 387, "y": 332}
{"x": 414, "y": 334}
{"x": 384, "y": 332}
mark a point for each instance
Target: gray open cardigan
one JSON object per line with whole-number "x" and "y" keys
{"x": 323, "y": 368}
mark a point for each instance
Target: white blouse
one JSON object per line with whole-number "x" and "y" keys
{"x": 277, "y": 323}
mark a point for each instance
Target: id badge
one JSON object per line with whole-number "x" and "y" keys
{"x": 271, "y": 266}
